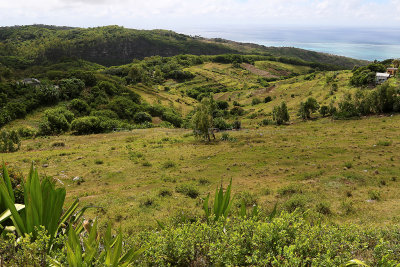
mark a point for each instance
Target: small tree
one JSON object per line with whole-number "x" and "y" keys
{"x": 308, "y": 107}
{"x": 324, "y": 110}
{"x": 203, "y": 119}
{"x": 281, "y": 114}
{"x": 396, "y": 63}
{"x": 9, "y": 141}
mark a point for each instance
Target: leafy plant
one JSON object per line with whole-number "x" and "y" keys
{"x": 43, "y": 206}
{"x": 92, "y": 251}
{"x": 222, "y": 203}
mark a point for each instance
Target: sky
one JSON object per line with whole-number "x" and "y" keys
{"x": 182, "y": 15}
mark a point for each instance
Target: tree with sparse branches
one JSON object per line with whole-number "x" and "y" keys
{"x": 203, "y": 118}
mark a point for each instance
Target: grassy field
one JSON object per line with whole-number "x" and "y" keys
{"x": 349, "y": 168}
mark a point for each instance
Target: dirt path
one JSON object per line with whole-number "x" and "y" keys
{"x": 258, "y": 72}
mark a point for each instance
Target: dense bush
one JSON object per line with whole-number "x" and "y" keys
{"x": 255, "y": 101}
{"x": 238, "y": 111}
{"x": 142, "y": 117}
{"x": 307, "y": 108}
{"x": 71, "y": 88}
{"x": 223, "y": 105}
{"x": 9, "y": 141}
{"x": 287, "y": 240}
{"x": 79, "y": 107}
{"x": 92, "y": 125}
{"x": 104, "y": 113}
{"x": 124, "y": 107}
{"x": 366, "y": 75}
{"x": 281, "y": 114}
{"x": 221, "y": 124}
{"x": 267, "y": 99}
{"x": 236, "y": 125}
{"x": 55, "y": 121}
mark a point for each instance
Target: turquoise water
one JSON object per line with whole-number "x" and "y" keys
{"x": 360, "y": 43}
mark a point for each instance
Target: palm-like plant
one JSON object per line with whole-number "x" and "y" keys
{"x": 222, "y": 203}
{"x": 92, "y": 251}
{"x": 43, "y": 206}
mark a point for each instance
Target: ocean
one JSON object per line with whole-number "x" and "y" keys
{"x": 361, "y": 43}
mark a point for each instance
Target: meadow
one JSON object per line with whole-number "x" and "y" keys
{"x": 345, "y": 171}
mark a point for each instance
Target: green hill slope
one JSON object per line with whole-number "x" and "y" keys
{"x": 22, "y": 46}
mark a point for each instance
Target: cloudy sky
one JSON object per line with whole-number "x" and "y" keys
{"x": 181, "y": 15}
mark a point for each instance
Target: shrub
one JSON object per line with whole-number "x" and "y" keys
{"x": 267, "y": 99}
{"x": 26, "y": 132}
{"x": 168, "y": 164}
{"x": 9, "y": 141}
{"x": 71, "y": 88}
{"x": 165, "y": 193}
{"x": 323, "y": 208}
{"x": 324, "y": 110}
{"x": 295, "y": 202}
{"x": 221, "y": 124}
{"x": 173, "y": 118}
{"x": 374, "y": 195}
{"x": 384, "y": 143}
{"x": 87, "y": 125}
{"x": 266, "y": 122}
{"x": 236, "y": 125}
{"x": 142, "y": 117}
{"x": 255, "y": 101}
{"x": 188, "y": 190}
{"x": 289, "y": 190}
{"x": 104, "y": 113}
{"x": 223, "y": 105}
{"x": 307, "y": 108}
{"x": 79, "y": 107}
{"x": 123, "y": 107}
{"x": 238, "y": 111}
{"x": 56, "y": 121}
{"x": 280, "y": 114}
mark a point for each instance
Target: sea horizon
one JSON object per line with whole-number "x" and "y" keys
{"x": 359, "y": 43}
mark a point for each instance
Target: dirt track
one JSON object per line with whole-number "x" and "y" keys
{"x": 256, "y": 71}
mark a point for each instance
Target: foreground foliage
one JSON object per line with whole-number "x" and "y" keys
{"x": 289, "y": 239}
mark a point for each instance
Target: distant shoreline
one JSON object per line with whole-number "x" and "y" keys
{"x": 359, "y": 43}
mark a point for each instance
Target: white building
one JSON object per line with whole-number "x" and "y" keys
{"x": 381, "y": 77}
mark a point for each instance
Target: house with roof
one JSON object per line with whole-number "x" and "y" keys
{"x": 381, "y": 77}
{"x": 392, "y": 71}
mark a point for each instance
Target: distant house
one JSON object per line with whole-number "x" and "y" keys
{"x": 392, "y": 71}
{"x": 381, "y": 77}
{"x": 31, "y": 81}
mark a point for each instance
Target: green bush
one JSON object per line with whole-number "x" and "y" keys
{"x": 79, "y": 107}
{"x": 188, "y": 190}
{"x": 106, "y": 113}
{"x": 238, "y": 111}
{"x": 142, "y": 117}
{"x": 255, "y": 101}
{"x": 124, "y": 107}
{"x": 9, "y": 141}
{"x": 307, "y": 108}
{"x": 297, "y": 201}
{"x": 267, "y": 99}
{"x": 280, "y": 114}
{"x": 55, "y": 121}
{"x": 236, "y": 125}
{"x": 286, "y": 240}
{"x": 221, "y": 124}
{"x": 71, "y": 88}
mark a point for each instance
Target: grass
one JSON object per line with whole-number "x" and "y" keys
{"x": 308, "y": 164}
{"x": 145, "y": 175}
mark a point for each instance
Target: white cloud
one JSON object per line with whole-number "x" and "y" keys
{"x": 177, "y": 14}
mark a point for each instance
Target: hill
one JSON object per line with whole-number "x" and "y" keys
{"x": 22, "y": 46}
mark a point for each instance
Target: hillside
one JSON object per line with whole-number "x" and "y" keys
{"x": 124, "y": 141}
{"x": 23, "y": 46}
